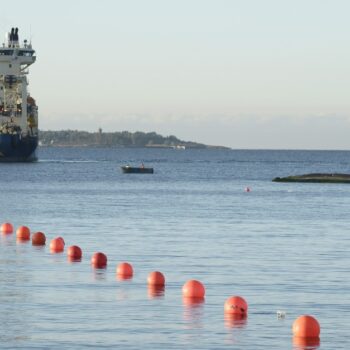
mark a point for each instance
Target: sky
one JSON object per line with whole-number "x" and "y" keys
{"x": 255, "y": 74}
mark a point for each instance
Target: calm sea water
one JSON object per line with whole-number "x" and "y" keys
{"x": 280, "y": 246}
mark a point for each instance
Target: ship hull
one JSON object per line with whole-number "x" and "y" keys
{"x": 14, "y": 148}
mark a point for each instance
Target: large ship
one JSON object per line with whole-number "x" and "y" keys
{"x": 18, "y": 110}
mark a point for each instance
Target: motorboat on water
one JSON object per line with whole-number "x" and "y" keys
{"x": 127, "y": 169}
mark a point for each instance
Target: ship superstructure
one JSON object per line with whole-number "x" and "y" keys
{"x": 18, "y": 110}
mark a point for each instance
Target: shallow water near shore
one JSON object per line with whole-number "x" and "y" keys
{"x": 282, "y": 246}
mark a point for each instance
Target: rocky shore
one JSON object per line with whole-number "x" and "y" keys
{"x": 318, "y": 178}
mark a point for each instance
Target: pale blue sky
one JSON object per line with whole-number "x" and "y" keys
{"x": 239, "y": 73}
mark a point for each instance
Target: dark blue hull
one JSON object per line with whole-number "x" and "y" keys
{"x": 16, "y": 148}
{"x": 133, "y": 170}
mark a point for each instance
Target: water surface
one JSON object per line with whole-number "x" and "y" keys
{"x": 281, "y": 246}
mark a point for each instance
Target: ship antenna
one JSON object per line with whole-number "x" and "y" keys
{"x": 30, "y": 34}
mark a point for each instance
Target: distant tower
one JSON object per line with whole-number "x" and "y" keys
{"x": 99, "y": 136}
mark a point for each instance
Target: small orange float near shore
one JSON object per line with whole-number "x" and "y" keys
{"x": 125, "y": 270}
{"x": 38, "y": 238}
{"x": 306, "y": 326}
{"x": 156, "y": 278}
{"x": 74, "y": 252}
{"x": 236, "y": 305}
{"x": 99, "y": 260}
{"x": 61, "y": 239}
{"x": 23, "y": 233}
{"x": 6, "y": 228}
{"x": 57, "y": 245}
{"x": 193, "y": 289}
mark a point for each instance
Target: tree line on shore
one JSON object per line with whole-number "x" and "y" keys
{"x": 112, "y": 139}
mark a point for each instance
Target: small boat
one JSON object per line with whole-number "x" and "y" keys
{"x": 127, "y": 169}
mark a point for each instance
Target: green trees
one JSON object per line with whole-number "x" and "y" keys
{"x": 111, "y": 139}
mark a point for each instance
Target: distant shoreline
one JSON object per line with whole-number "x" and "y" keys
{"x": 129, "y": 147}
{"x": 124, "y": 139}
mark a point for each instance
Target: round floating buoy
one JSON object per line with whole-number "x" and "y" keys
{"x": 236, "y": 306}
{"x": 125, "y": 269}
{"x": 193, "y": 289}
{"x": 23, "y": 233}
{"x": 99, "y": 260}
{"x": 306, "y": 327}
{"x": 61, "y": 239}
{"x": 156, "y": 278}
{"x": 38, "y": 238}
{"x": 247, "y": 189}
{"x": 56, "y": 245}
{"x": 6, "y": 228}
{"x": 74, "y": 252}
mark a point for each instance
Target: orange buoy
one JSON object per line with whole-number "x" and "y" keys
{"x": 236, "y": 305}
{"x": 74, "y": 252}
{"x": 6, "y": 228}
{"x": 193, "y": 289}
{"x": 156, "y": 278}
{"x": 125, "y": 269}
{"x": 61, "y": 239}
{"x": 38, "y": 238}
{"x": 23, "y": 233}
{"x": 56, "y": 245}
{"x": 99, "y": 260}
{"x": 306, "y": 326}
